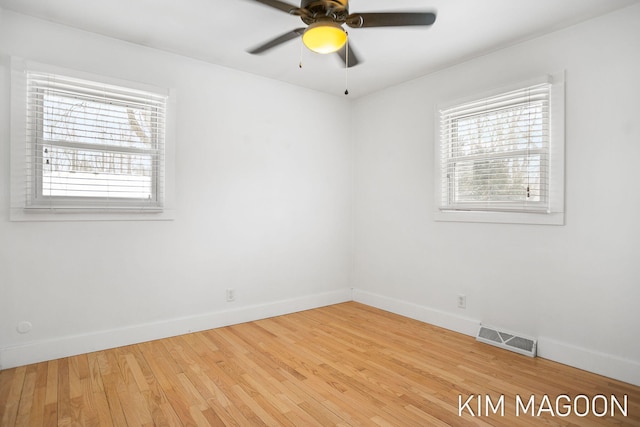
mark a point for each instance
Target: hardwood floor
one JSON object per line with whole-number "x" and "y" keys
{"x": 347, "y": 364}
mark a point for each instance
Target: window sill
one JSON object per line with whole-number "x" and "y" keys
{"x": 555, "y": 218}
{"x": 61, "y": 214}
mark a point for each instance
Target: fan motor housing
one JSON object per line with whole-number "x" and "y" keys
{"x": 322, "y": 10}
{"x": 304, "y": 4}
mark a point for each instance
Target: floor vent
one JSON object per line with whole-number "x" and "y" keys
{"x": 507, "y": 340}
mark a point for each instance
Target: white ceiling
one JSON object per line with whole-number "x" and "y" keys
{"x": 220, "y": 32}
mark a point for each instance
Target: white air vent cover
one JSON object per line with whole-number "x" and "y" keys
{"x": 507, "y": 340}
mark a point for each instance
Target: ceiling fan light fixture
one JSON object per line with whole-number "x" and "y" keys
{"x": 324, "y": 37}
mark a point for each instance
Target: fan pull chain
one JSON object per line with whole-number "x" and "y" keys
{"x": 346, "y": 67}
{"x": 301, "y": 46}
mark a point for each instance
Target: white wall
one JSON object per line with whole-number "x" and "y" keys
{"x": 262, "y": 205}
{"x": 576, "y": 286}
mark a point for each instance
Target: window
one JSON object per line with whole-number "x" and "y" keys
{"x": 89, "y": 146}
{"x": 501, "y": 156}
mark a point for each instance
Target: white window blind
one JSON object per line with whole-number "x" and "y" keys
{"x": 93, "y": 146}
{"x": 495, "y": 152}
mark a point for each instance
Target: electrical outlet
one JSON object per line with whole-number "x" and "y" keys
{"x": 231, "y": 295}
{"x": 462, "y": 301}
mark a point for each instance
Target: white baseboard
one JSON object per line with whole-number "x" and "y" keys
{"x": 39, "y": 351}
{"x": 450, "y": 321}
{"x": 599, "y": 363}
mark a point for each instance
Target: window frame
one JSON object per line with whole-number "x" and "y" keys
{"x": 552, "y": 213}
{"x": 27, "y": 201}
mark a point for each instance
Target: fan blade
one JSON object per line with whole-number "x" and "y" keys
{"x": 353, "y": 58}
{"x": 285, "y": 7}
{"x": 390, "y": 19}
{"x": 277, "y": 41}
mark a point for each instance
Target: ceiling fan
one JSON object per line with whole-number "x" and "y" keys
{"x": 324, "y": 32}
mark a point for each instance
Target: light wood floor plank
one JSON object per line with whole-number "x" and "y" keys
{"x": 27, "y": 396}
{"x": 342, "y": 365}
